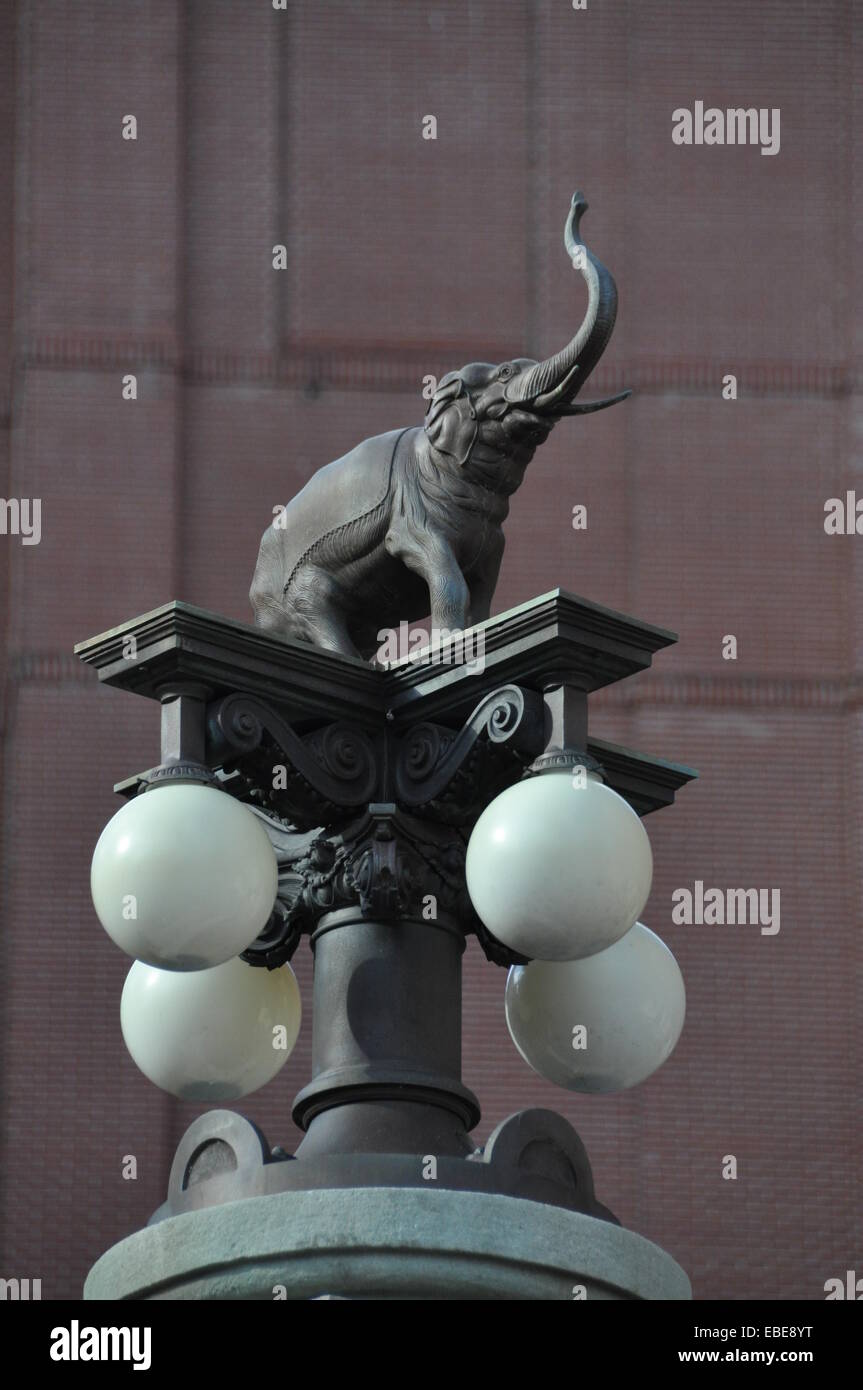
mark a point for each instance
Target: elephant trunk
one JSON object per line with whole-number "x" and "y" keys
{"x": 554, "y": 382}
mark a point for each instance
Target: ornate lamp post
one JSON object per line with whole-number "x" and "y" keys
{"x": 388, "y": 813}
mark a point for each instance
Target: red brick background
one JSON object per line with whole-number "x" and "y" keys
{"x": 408, "y": 257}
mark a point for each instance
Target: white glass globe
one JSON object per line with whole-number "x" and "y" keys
{"x": 559, "y": 867}
{"x": 184, "y": 877}
{"x": 210, "y": 1035}
{"x": 601, "y": 1024}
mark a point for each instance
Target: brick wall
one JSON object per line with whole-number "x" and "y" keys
{"x": 408, "y": 256}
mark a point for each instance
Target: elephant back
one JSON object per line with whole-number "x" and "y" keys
{"x": 330, "y": 510}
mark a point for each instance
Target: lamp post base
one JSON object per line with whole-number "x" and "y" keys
{"x": 385, "y": 1243}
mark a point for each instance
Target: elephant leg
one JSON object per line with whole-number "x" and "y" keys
{"x": 273, "y": 620}
{"x": 432, "y": 558}
{"x": 449, "y": 601}
{"x": 483, "y": 585}
{"x": 317, "y": 600}
{"x": 329, "y": 631}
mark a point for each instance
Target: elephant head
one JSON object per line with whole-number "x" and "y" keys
{"x": 490, "y": 419}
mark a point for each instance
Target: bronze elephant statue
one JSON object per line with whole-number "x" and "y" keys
{"x": 409, "y": 523}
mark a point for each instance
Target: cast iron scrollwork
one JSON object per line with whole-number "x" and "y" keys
{"x": 338, "y": 843}
{"x": 299, "y": 856}
{"x": 386, "y": 861}
{"x": 316, "y": 779}
{"x": 452, "y": 775}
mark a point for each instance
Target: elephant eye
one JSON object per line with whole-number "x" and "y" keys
{"x": 506, "y": 371}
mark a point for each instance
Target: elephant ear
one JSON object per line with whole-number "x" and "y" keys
{"x": 451, "y": 422}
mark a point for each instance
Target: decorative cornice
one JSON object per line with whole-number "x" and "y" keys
{"x": 532, "y": 645}
{"x": 695, "y": 689}
{"x": 646, "y": 783}
{"x": 179, "y": 640}
{"x": 528, "y": 645}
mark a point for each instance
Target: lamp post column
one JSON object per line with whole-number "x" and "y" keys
{"x": 386, "y": 1050}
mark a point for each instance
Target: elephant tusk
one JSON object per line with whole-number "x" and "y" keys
{"x": 566, "y": 388}
{"x": 588, "y": 407}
